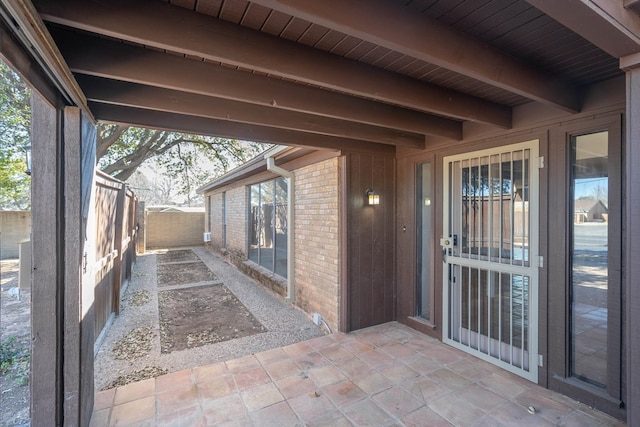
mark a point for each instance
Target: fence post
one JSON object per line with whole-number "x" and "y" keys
{"x": 141, "y": 238}
{"x": 117, "y": 267}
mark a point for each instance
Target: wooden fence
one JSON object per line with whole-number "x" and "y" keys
{"x": 116, "y": 234}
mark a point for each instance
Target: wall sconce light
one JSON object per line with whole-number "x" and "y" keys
{"x": 27, "y": 151}
{"x": 427, "y": 201}
{"x": 372, "y": 197}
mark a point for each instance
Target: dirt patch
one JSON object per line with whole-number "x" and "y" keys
{"x": 135, "y": 344}
{"x": 204, "y": 315}
{"x": 177, "y": 256}
{"x": 137, "y": 298}
{"x": 178, "y": 274}
{"x": 15, "y": 331}
{"x": 140, "y": 375}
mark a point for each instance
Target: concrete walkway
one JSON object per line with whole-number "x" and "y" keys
{"x": 381, "y": 376}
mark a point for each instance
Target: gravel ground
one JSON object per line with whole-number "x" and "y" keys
{"x": 285, "y": 324}
{"x": 15, "y": 321}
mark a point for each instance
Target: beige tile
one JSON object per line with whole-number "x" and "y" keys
{"x": 398, "y": 372}
{"x": 579, "y": 419}
{"x": 297, "y": 349}
{"x": 397, "y": 401}
{"x": 177, "y": 398}
{"x": 456, "y": 410}
{"x": 226, "y": 408}
{"x": 399, "y": 350}
{"x": 424, "y": 416}
{"x": 282, "y": 369}
{"x": 321, "y": 342}
{"x": 376, "y": 358}
{"x": 425, "y": 389}
{"x": 251, "y": 377}
{"x": 217, "y": 387}
{"x": 261, "y": 396}
{"x": 481, "y": 397}
{"x": 335, "y": 352}
{"x": 343, "y": 393}
{"x": 372, "y": 382}
{"x": 326, "y": 375}
{"x": 310, "y": 406}
{"x": 243, "y": 363}
{"x": 104, "y": 399}
{"x": 190, "y": 416}
{"x": 174, "y": 380}
{"x": 366, "y": 413}
{"x": 271, "y": 356}
{"x": 295, "y": 385}
{"x": 447, "y": 378}
{"x": 513, "y": 414}
{"x": 100, "y": 418}
{"x": 352, "y": 366}
{"x": 209, "y": 372}
{"x": 333, "y": 419}
{"x": 550, "y": 409}
{"x": 501, "y": 385}
{"x": 136, "y": 411}
{"x": 135, "y": 391}
{"x": 278, "y": 415}
{"x": 310, "y": 360}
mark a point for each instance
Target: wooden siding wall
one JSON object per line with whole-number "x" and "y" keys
{"x": 555, "y": 217}
{"x": 370, "y": 287}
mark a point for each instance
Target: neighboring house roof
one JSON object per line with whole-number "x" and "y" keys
{"x": 175, "y": 208}
{"x": 258, "y": 164}
{"x": 585, "y": 205}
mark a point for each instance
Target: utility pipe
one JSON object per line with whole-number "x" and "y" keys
{"x": 291, "y": 265}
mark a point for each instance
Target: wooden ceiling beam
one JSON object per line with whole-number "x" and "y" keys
{"x": 216, "y": 40}
{"x": 225, "y": 129}
{"x": 103, "y": 58}
{"x": 390, "y": 25}
{"x": 171, "y": 101}
{"x": 605, "y": 23}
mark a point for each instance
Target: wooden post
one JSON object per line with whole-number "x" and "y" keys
{"x": 117, "y": 268}
{"x": 631, "y": 242}
{"x": 73, "y": 261}
{"x": 79, "y": 163}
{"x": 141, "y": 241}
{"x": 47, "y": 290}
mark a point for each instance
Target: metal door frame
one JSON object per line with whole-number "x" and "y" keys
{"x": 531, "y": 271}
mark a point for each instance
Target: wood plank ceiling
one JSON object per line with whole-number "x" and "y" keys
{"x": 331, "y": 73}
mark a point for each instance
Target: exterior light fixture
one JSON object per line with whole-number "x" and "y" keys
{"x": 27, "y": 151}
{"x": 372, "y": 198}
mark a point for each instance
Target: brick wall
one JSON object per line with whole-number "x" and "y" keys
{"x": 317, "y": 240}
{"x": 174, "y": 229}
{"x": 214, "y": 216}
{"x": 14, "y": 227}
{"x": 237, "y": 223}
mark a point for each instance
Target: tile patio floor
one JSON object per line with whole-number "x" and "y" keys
{"x": 386, "y": 375}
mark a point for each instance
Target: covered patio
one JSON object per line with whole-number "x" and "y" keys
{"x": 420, "y": 100}
{"x": 388, "y": 374}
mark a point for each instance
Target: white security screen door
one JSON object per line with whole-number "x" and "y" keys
{"x": 490, "y": 255}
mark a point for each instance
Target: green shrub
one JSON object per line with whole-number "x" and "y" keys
{"x": 14, "y": 358}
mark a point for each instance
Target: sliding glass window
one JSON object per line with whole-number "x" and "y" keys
{"x": 589, "y": 258}
{"x": 268, "y": 225}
